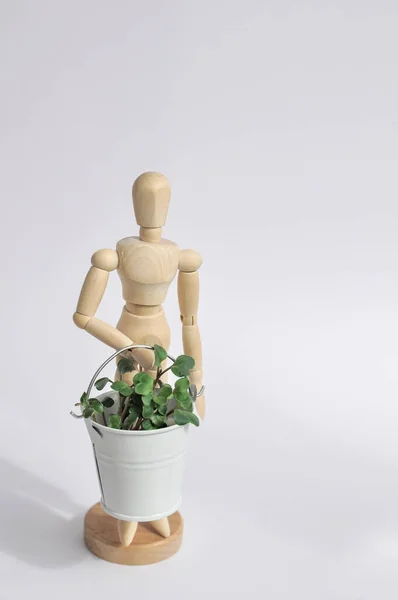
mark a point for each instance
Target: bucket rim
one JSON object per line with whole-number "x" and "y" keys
{"x": 139, "y": 433}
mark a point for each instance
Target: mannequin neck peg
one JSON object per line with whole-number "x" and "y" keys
{"x": 150, "y": 234}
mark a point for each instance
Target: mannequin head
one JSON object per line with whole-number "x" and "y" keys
{"x": 151, "y": 197}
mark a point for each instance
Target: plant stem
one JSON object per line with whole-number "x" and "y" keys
{"x": 159, "y": 375}
{"x": 138, "y": 424}
{"x": 121, "y": 404}
{"x": 125, "y": 409}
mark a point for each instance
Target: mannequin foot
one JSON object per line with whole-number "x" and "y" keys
{"x": 162, "y": 526}
{"x": 126, "y": 531}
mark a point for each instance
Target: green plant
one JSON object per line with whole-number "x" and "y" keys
{"x": 148, "y": 403}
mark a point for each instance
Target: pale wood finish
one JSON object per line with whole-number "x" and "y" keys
{"x": 146, "y": 266}
{"x": 192, "y": 345}
{"x": 106, "y": 333}
{"x": 151, "y": 197}
{"x": 162, "y": 526}
{"x": 151, "y": 234}
{"x": 190, "y": 261}
{"x": 127, "y": 531}
{"x": 92, "y": 291}
{"x": 145, "y": 329}
{"x": 188, "y": 298}
{"x": 142, "y": 311}
{"x": 105, "y": 259}
{"x": 148, "y": 546}
{"x": 146, "y": 270}
{"x": 81, "y": 320}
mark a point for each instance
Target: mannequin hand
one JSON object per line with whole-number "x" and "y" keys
{"x": 142, "y": 356}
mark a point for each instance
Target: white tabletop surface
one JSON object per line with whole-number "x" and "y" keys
{"x": 277, "y": 125}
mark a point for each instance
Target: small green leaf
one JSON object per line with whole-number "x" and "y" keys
{"x": 147, "y": 425}
{"x": 136, "y": 399}
{"x": 84, "y": 399}
{"x": 181, "y": 396}
{"x": 157, "y": 420}
{"x": 181, "y": 390}
{"x": 144, "y": 388}
{"x": 147, "y": 412}
{"x": 125, "y": 365}
{"x": 183, "y": 364}
{"x": 182, "y": 417}
{"x": 88, "y": 412}
{"x": 162, "y": 410}
{"x": 101, "y": 383}
{"x": 143, "y": 383}
{"x": 108, "y": 402}
{"x": 134, "y": 411}
{"x": 114, "y": 421}
{"x": 132, "y": 417}
{"x": 122, "y": 388}
{"x": 147, "y": 399}
{"x": 163, "y": 394}
{"x": 160, "y": 354}
{"x": 182, "y": 384}
{"x": 166, "y": 390}
{"x": 160, "y": 400}
{"x": 141, "y": 377}
{"x": 186, "y": 403}
{"x": 96, "y": 405}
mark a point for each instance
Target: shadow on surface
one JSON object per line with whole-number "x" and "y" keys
{"x": 307, "y": 488}
{"x": 39, "y": 523}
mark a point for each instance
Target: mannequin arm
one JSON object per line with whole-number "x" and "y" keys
{"x": 188, "y": 298}
{"x": 90, "y": 297}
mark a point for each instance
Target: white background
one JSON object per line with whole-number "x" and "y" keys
{"x": 276, "y": 123}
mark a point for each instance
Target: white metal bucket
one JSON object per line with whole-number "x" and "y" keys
{"x": 140, "y": 472}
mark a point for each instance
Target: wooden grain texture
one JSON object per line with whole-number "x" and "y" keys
{"x": 92, "y": 291}
{"x": 162, "y": 526}
{"x": 107, "y": 334}
{"x": 105, "y": 259}
{"x": 146, "y": 269}
{"x": 190, "y": 261}
{"x": 151, "y": 197}
{"x": 188, "y": 298}
{"x": 102, "y": 539}
{"x": 151, "y": 235}
{"x": 127, "y": 531}
{"x": 145, "y": 329}
{"x": 146, "y": 265}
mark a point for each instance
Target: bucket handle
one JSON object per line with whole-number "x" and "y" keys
{"x": 108, "y": 360}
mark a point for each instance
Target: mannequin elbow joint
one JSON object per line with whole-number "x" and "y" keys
{"x": 81, "y": 321}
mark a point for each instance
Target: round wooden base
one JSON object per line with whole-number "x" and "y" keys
{"x": 148, "y": 546}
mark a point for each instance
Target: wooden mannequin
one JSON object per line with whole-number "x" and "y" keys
{"x": 146, "y": 266}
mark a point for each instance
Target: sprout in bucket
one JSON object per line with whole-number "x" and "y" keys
{"x": 148, "y": 403}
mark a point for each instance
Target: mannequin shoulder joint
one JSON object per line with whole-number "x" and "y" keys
{"x": 106, "y": 259}
{"x": 190, "y": 261}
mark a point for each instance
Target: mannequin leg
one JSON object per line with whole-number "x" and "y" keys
{"x": 150, "y": 330}
{"x": 162, "y": 526}
{"x": 126, "y": 531}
